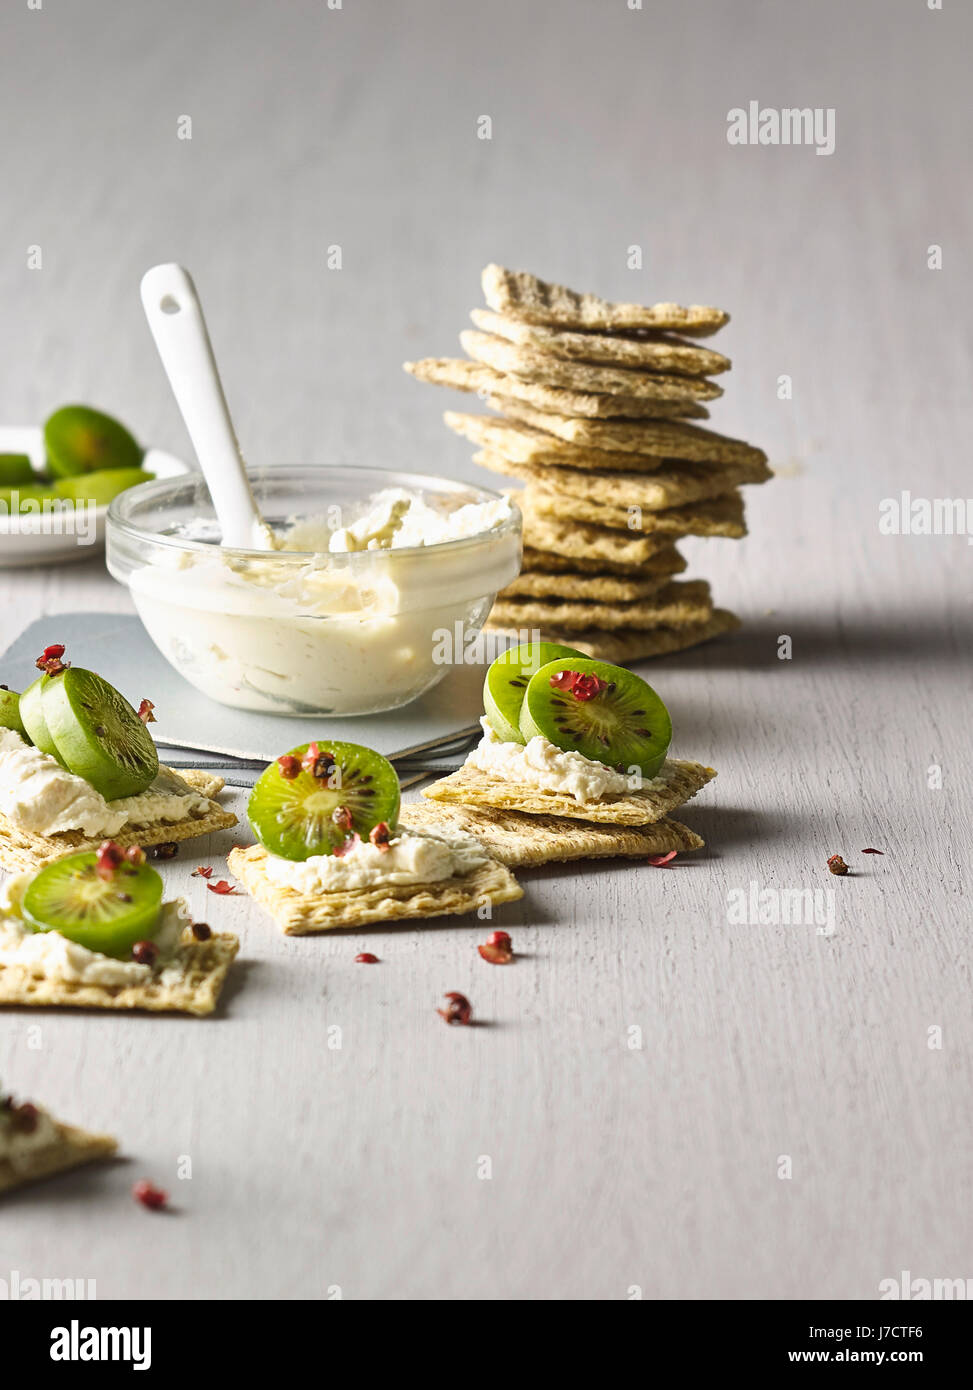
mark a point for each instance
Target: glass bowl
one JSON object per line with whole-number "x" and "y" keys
{"x": 308, "y": 631}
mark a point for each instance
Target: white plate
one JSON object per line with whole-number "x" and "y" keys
{"x": 37, "y": 540}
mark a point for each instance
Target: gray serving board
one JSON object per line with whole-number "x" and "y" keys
{"x": 119, "y": 649}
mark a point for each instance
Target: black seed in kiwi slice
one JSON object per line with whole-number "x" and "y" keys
{"x": 10, "y": 712}
{"x": 97, "y": 733}
{"x": 603, "y": 712}
{"x": 81, "y": 440}
{"x": 31, "y": 710}
{"x": 307, "y": 804}
{"x": 104, "y": 914}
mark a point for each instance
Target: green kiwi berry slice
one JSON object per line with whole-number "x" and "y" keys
{"x": 506, "y": 682}
{"x": 313, "y": 798}
{"x": 81, "y": 440}
{"x": 14, "y": 469}
{"x": 99, "y": 488}
{"x": 107, "y": 914}
{"x": 97, "y": 734}
{"x": 26, "y": 498}
{"x": 603, "y": 712}
{"x": 31, "y": 711}
{"x": 10, "y": 712}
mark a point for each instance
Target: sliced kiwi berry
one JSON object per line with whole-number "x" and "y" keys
{"x": 31, "y": 710}
{"x": 81, "y": 440}
{"x": 96, "y": 733}
{"x": 506, "y": 681}
{"x": 10, "y": 711}
{"x": 99, "y": 488}
{"x": 14, "y": 469}
{"x": 312, "y": 799}
{"x": 104, "y": 911}
{"x": 603, "y": 712}
{"x": 25, "y": 498}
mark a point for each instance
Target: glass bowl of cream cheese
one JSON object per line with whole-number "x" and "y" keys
{"x": 376, "y": 582}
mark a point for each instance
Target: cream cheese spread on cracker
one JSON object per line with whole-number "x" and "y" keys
{"x": 409, "y": 858}
{"x": 38, "y": 795}
{"x": 541, "y": 764}
{"x": 51, "y": 956}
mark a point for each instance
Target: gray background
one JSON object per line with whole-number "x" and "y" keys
{"x": 612, "y": 1167}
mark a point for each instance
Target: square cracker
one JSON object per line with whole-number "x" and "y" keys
{"x": 21, "y": 850}
{"x": 622, "y": 647}
{"x": 300, "y": 914}
{"x": 533, "y": 442}
{"x": 637, "y": 411}
{"x": 673, "y": 485}
{"x": 528, "y": 363}
{"x": 536, "y": 440}
{"x": 523, "y": 841}
{"x": 524, "y": 296}
{"x": 196, "y": 971}
{"x": 460, "y": 375}
{"x": 716, "y": 516}
{"x": 675, "y": 784}
{"x": 601, "y": 544}
{"x": 70, "y": 1148}
{"x": 664, "y": 562}
{"x": 678, "y": 605}
{"x": 626, "y": 436}
{"x": 596, "y": 588}
{"x": 658, "y": 353}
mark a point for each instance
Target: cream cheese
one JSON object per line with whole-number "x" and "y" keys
{"x": 336, "y": 619}
{"x": 539, "y": 763}
{"x": 37, "y": 794}
{"x": 51, "y": 956}
{"x": 411, "y": 857}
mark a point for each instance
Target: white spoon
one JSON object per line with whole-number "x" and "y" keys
{"x": 175, "y": 317}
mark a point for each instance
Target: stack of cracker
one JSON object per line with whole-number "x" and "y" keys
{"x": 523, "y": 826}
{"x": 592, "y": 402}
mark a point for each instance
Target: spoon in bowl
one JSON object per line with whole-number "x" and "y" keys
{"x": 176, "y": 319}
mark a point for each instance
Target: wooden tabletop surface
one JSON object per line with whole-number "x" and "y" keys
{"x": 669, "y": 1093}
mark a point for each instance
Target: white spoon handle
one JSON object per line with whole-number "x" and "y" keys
{"x": 176, "y": 319}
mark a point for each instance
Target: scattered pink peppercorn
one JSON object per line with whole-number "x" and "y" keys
{"x": 202, "y": 931}
{"x": 458, "y": 1010}
{"x": 145, "y": 953}
{"x": 366, "y": 958}
{"x": 497, "y": 949}
{"x": 149, "y": 1195}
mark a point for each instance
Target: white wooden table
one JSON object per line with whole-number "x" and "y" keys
{"x": 613, "y": 1167}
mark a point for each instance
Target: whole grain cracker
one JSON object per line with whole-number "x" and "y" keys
{"x": 523, "y": 296}
{"x": 669, "y": 486}
{"x": 636, "y": 411}
{"x": 537, "y": 441}
{"x": 531, "y": 365}
{"x": 660, "y": 353}
{"x": 664, "y": 562}
{"x": 188, "y": 982}
{"x": 630, "y": 436}
{"x": 300, "y": 914}
{"x": 676, "y": 783}
{"x": 605, "y": 588}
{"x": 524, "y": 841}
{"x": 717, "y": 516}
{"x": 70, "y": 1148}
{"x": 23, "y": 849}
{"x": 490, "y": 385}
{"x": 599, "y": 544}
{"x": 678, "y": 605}
{"x": 621, "y": 648}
